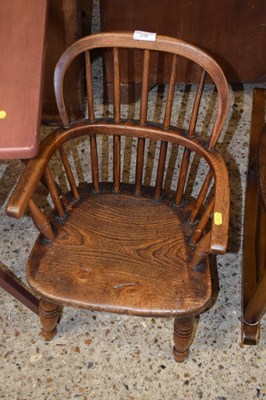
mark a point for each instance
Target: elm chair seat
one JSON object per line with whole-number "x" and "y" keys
{"x": 145, "y": 271}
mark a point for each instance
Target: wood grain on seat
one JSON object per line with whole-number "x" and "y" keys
{"x": 123, "y": 254}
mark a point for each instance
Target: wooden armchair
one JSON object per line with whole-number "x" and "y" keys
{"x": 125, "y": 247}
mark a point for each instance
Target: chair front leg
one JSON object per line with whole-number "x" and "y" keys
{"x": 183, "y": 337}
{"x": 49, "y": 317}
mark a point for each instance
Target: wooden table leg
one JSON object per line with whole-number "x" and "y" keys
{"x": 254, "y": 312}
{"x": 19, "y": 292}
{"x": 257, "y": 303}
{"x": 254, "y": 277}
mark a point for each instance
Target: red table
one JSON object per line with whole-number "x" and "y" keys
{"x": 22, "y": 48}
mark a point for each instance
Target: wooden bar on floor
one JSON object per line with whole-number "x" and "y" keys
{"x": 19, "y": 292}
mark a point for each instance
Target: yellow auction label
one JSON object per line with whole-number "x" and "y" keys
{"x": 218, "y": 218}
{"x": 3, "y": 114}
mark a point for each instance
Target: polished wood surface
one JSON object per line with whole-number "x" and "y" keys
{"x": 22, "y": 43}
{"x": 13, "y": 287}
{"x": 63, "y": 28}
{"x": 262, "y": 165}
{"x": 143, "y": 272}
{"x": 120, "y": 247}
{"x": 49, "y": 316}
{"x": 183, "y": 337}
{"x": 231, "y": 31}
{"x": 254, "y": 247}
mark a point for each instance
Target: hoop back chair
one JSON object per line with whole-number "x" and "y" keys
{"x": 124, "y": 247}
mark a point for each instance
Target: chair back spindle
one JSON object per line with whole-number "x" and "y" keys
{"x": 170, "y": 95}
{"x": 54, "y": 193}
{"x": 143, "y": 118}
{"x": 117, "y": 141}
{"x": 201, "y": 197}
{"x": 166, "y": 124}
{"x": 186, "y": 155}
{"x": 91, "y": 114}
{"x": 94, "y": 163}
{"x": 195, "y": 110}
{"x": 69, "y": 174}
{"x": 89, "y": 87}
{"x": 160, "y": 170}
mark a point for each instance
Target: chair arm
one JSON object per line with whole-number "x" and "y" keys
{"x": 220, "y": 220}
{"x": 31, "y": 176}
{"x": 25, "y": 187}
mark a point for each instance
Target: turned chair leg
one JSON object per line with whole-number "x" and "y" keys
{"x": 49, "y": 316}
{"x": 183, "y": 337}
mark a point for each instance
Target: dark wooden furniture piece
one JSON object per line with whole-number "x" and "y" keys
{"x": 226, "y": 29}
{"x": 22, "y": 42}
{"x": 64, "y": 27}
{"x": 122, "y": 247}
{"x": 254, "y": 260}
{"x": 11, "y": 286}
